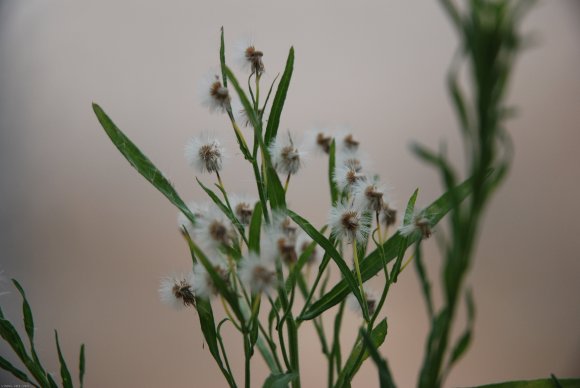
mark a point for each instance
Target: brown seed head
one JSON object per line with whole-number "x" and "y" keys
{"x": 323, "y": 142}
{"x": 182, "y": 290}
{"x": 350, "y": 221}
{"x": 244, "y": 213}
{"x": 350, "y": 142}
{"x": 255, "y": 58}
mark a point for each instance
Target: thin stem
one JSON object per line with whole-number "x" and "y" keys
{"x": 229, "y": 314}
{"x": 248, "y": 356}
{"x": 359, "y": 277}
{"x": 287, "y": 182}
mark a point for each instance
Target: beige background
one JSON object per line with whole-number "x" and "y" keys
{"x": 89, "y": 238}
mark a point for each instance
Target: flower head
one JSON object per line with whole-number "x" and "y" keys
{"x": 318, "y": 141}
{"x": 249, "y": 57}
{"x": 369, "y": 195}
{"x": 205, "y": 153}
{"x": 371, "y": 298}
{"x": 286, "y": 158}
{"x": 257, "y": 275}
{"x": 177, "y": 291}
{"x": 303, "y": 242}
{"x": 215, "y": 229}
{"x": 346, "y": 221}
{"x": 347, "y": 176}
{"x": 243, "y": 208}
{"x": 388, "y": 215}
{"x": 203, "y": 284}
{"x": 346, "y": 142}
{"x": 198, "y": 211}
{"x": 419, "y": 222}
{"x": 214, "y": 94}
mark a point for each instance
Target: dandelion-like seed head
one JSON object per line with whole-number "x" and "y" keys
{"x": 388, "y": 216}
{"x": 369, "y": 196}
{"x": 257, "y": 275}
{"x": 349, "y": 223}
{"x": 203, "y": 284}
{"x": 177, "y": 291}
{"x": 350, "y": 143}
{"x": 323, "y": 141}
{"x": 214, "y": 94}
{"x": 371, "y": 298}
{"x": 254, "y": 58}
{"x": 282, "y": 224}
{"x": 419, "y": 222}
{"x": 244, "y": 212}
{"x": 287, "y": 249}
{"x": 215, "y": 229}
{"x": 205, "y": 154}
{"x": 286, "y": 158}
{"x": 346, "y": 177}
{"x": 303, "y": 242}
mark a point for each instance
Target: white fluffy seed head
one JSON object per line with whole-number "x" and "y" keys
{"x": 215, "y": 229}
{"x": 388, "y": 215}
{"x": 346, "y": 177}
{"x": 369, "y": 195}
{"x": 419, "y": 222}
{"x": 317, "y": 141}
{"x": 177, "y": 291}
{"x": 203, "y": 285}
{"x": 205, "y": 153}
{"x": 213, "y": 94}
{"x": 371, "y": 298}
{"x": 248, "y": 57}
{"x": 243, "y": 207}
{"x": 257, "y": 275}
{"x": 303, "y": 242}
{"x": 198, "y": 210}
{"x": 286, "y": 157}
{"x": 349, "y": 223}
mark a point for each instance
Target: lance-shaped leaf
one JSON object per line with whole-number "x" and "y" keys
{"x": 373, "y": 263}
{"x": 360, "y": 353}
{"x": 276, "y": 192}
{"x": 64, "y": 372}
{"x": 140, "y": 162}
{"x": 331, "y": 167}
{"x": 28, "y": 324}
{"x": 7, "y": 366}
{"x": 279, "y": 99}
{"x": 349, "y": 277}
{"x": 540, "y": 383}
{"x": 280, "y": 380}
{"x": 223, "y": 58}
{"x": 385, "y": 377}
{"x": 218, "y": 282}
{"x": 82, "y": 366}
{"x": 207, "y": 323}
{"x": 255, "y": 228}
{"x": 408, "y": 218}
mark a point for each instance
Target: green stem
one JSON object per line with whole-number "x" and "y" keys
{"x": 359, "y": 278}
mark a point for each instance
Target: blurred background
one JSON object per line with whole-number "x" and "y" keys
{"x": 89, "y": 239}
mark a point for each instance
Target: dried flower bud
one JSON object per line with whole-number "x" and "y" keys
{"x": 204, "y": 154}
{"x": 177, "y": 291}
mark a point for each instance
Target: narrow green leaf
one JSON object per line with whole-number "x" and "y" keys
{"x": 140, "y": 162}
{"x": 331, "y": 167}
{"x": 223, "y": 58}
{"x": 82, "y": 366}
{"x": 256, "y": 228}
{"x": 280, "y": 380}
{"x": 252, "y": 117}
{"x": 425, "y": 284}
{"x": 373, "y": 263}
{"x": 385, "y": 376}
{"x": 207, "y": 324}
{"x": 540, "y": 383}
{"x": 331, "y": 251}
{"x": 218, "y": 282}
{"x": 7, "y": 366}
{"x": 276, "y": 192}
{"x": 28, "y": 324}
{"x": 360, "y": 353}
{"x": 408, "y": 218}
{"x": 64, "y": 372}
{"x": 465, "y": 340}
{"x": 279, "y": 99}
{"x": 10, "y": 335}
